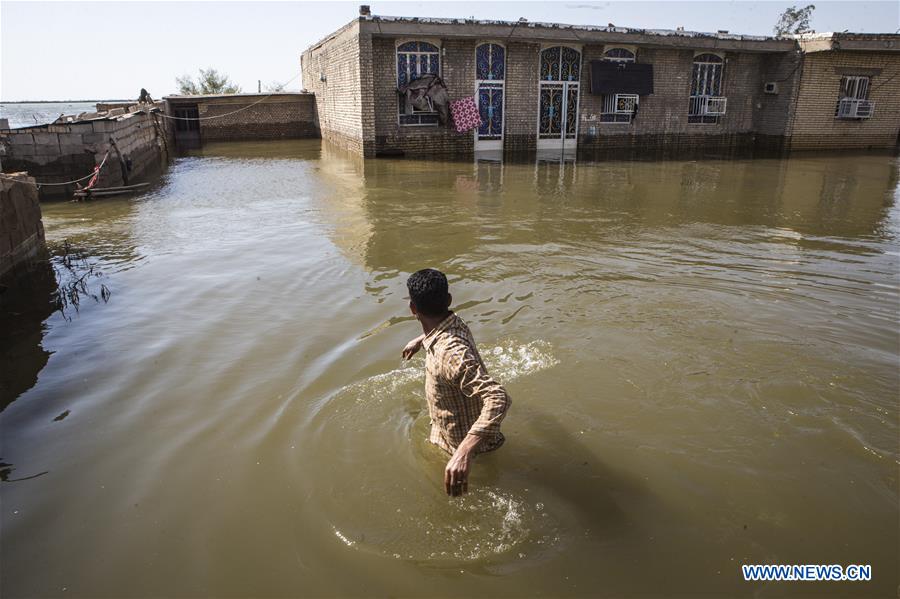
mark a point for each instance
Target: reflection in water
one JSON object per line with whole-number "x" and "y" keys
{"x": 25, "y": 303}
{"x": 702, "y": 358}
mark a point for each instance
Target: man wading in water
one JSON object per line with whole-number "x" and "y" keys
{"x": 465, "y": 404}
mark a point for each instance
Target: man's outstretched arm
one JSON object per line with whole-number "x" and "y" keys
{"x": 475, "y": 381}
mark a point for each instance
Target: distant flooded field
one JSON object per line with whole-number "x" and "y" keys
{"x": 702, "y": 356}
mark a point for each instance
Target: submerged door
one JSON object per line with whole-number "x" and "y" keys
{"x": 558, "y": 98}
{"x": 490, "y": 75}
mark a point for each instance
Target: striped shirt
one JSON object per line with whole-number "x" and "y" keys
{"x": 462, "y": 397}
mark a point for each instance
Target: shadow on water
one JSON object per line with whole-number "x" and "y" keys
{"x": 29, "y": 296}
{"x": 25, "y": 303}
{"x": 548, "y": 455}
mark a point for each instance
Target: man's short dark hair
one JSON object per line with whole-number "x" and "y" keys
{"x": 428, "y": 290}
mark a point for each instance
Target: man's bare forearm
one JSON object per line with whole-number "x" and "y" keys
{"x": 469, "y": 444}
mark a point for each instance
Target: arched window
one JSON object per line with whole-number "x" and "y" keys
{"x": 558, "y": 89}
{"x": 618, "y": 108}
{"x": 707, "y": 102}
{"x": 490, "y": 72}
{"x": 490, "y": 63}
{"x": 619, "y": 55}
{"x": 415, "y": 59}
{"x": 560, "y": 63}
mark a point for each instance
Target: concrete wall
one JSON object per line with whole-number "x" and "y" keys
{"x": 339, "y": 98}
{"x": 21, "y": 228}
{"x": 64, "y": 152}
{"x": 814, "y": 125}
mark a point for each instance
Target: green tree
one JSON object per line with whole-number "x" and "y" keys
{"x": 210, "y": 81}
{"x": 794, "y": 20}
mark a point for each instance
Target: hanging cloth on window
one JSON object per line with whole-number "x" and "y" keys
{"x": 465, "y": 114}
{"x": 428, "y": 94}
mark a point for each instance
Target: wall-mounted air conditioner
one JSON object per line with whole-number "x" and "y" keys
{"x": 626, "y": 103}
{"x": 715, "y": 106}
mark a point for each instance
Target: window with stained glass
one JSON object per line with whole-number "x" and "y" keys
{"x": 415, "y": 59}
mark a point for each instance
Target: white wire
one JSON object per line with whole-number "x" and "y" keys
{"x": 218, "y": 116}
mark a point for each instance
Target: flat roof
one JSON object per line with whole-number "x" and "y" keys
{"x": 846, "y": 40}
{"x": 524, "y": 30}
{"x": 226, "y": 96}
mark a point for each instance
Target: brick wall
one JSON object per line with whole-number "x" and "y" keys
{"x": 661, "y": 126}
{"x": 278, "y": 116}
{"x": 521, "y": 97}
{"x": 357, "y": 105}
{"x": 58, "y": 153}
{"x": 814, "y": 125}
{"x": 339, "y": 98}
{"x": 458, "y": 73}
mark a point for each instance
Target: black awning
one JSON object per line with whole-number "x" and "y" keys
{"x": 608, "y": 77}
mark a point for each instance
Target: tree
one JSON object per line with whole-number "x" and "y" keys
{"x": 274, "y": 87}
{"x": 794, "y": 20}
{"x": 210, "y": 81}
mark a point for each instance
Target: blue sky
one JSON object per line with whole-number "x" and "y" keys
{"x": 96, "y": 50}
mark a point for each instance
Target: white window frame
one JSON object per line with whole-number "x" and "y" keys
{"x": 418, "y": 54}
{"x": 563, "y": 142}
{"x": 699, "y": 105}
{"x": 492, "y": 144}
{"x": 855, "y": 105}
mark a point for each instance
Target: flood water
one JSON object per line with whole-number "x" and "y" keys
{"x": 702, "y": 357}
{"x": 29, "y": 114}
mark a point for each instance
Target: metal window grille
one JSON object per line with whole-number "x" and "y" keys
{"x": 613, "y": 111}
{"x": 853, "y": 98}
{"x": 707, "y": 102}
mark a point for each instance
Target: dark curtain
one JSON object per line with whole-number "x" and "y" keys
{"x": 609, "y": 77}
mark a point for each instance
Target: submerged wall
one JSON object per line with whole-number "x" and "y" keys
{"x": 137, "y": 144}
{"x": 21, "y": 228}
{"x": 236, "y": 117}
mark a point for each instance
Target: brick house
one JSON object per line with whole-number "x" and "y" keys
{"x": 608, "y": 91}
{"x": 847, "y": 92}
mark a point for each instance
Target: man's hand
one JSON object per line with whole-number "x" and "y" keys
{"x": 456, "y": 474}
{"x": 412, "y": 347}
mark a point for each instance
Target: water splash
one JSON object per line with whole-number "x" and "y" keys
{"x": 488, "y": 523}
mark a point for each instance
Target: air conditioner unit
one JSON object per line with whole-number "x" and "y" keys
{"x": 853, "y": 108}
{"x": 626, "y": 103}
{"x": 715, "y": 106}
{"x": 771, "y": 87}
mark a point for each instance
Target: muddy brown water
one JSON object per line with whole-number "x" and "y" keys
{"x": 702, "y": 356}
